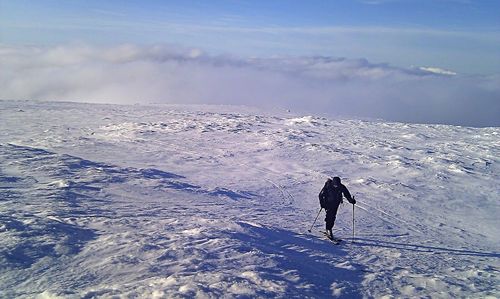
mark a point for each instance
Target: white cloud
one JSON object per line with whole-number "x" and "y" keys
{"x": 131, "y": 74}
{"x": 436, "y": 70}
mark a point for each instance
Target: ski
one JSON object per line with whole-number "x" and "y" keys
{"x": 334, "y": 240}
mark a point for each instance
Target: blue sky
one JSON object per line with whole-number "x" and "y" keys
{"x": 459, "y": 35}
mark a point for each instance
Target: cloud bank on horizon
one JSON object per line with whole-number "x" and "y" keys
{"x": 165, "y": 74}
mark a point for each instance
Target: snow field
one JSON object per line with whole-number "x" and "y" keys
{"x": 178, "y": 201}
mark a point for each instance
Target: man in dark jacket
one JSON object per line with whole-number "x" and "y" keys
{"x": 330, "y": 198}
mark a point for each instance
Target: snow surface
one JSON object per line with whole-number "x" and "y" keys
{"x": 157, "y": 201}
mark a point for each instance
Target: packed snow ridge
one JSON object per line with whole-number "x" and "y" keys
{"x": 101, "y": 201}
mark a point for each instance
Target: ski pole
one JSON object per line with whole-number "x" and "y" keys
{"x": 309, "y": 230}
{"x": 352, "y": 223}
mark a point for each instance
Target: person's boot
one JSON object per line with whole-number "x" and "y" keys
{"x": 329, "y": 234}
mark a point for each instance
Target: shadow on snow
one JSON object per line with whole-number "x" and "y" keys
{"x": 42, "y": 238}
{"x": 63, "y": 166}
{"x": 64, "y": 186}
{"x": 423, "y": 248}
{"x": 313, "y": 260}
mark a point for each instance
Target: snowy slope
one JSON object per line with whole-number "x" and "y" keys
{"x": 160, "y": 201}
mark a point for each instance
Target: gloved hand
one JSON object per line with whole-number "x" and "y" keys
{"x": 353, "y": 201}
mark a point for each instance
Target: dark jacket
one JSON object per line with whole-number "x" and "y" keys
{"x": 330, "y": 196}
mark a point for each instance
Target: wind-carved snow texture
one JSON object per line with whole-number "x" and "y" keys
{"x": 193, "y": 201}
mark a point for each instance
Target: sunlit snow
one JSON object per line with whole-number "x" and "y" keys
{"x": 166, "y": 201}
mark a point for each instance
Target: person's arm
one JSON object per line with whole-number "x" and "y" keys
{"x": 322, "y": 196}
{"x": 348, "y": 195}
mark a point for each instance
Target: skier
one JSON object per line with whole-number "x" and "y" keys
{"x": 330, "y": 198}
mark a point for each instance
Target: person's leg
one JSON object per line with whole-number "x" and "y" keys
{"x": 330, "y": 220}
{"x": 331, "y": 215}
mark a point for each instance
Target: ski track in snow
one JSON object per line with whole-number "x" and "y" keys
{"x": 158, "y": 201}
